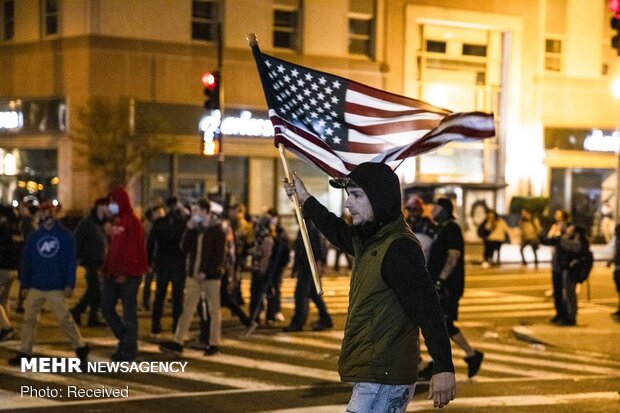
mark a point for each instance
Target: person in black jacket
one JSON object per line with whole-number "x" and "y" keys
{"x": 163, "y": 249}
{"x": 305, "y": 288}
{"x": 90, "y": 240}
{"x": 9, "y": 262}
{"x": 391, "y": 294}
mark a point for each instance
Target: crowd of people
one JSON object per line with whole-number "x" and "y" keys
{"x": 198, "y": 249}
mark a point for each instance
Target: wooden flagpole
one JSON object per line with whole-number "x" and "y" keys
{"x": 253, "y": 42}
{"x": 302, "y": 224}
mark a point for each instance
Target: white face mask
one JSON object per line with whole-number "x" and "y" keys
{"x": 113, "y": 208}
{"x": 197, "y": 219}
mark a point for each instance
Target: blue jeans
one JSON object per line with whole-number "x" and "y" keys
{"x": 125, "y": 330}
{"x": 380, "y": 398}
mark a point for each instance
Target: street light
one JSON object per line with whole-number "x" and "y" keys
{"x": 615, "y": 89}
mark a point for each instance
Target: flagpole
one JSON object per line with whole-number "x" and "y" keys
{"x": 302, "y": 224}
{"x": 253, "y": 42}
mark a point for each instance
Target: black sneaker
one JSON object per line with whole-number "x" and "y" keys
{"x": 426, "y": 373}
{"x": 17, "y": 360}
{"x": 557, "y": 320}
{"x": 171, "y": 347}
{"x": 211, "y": 350}
{"x": 292, "y": 329}
{"x": 82, "y": 354}
{"x": 122, "y": 357}
{"x": 321, "y": 326}
{"x": 96, "y": 323}
{"x": 473, "y": 363}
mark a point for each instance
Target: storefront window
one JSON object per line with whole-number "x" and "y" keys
{"x": 31, "y": 173}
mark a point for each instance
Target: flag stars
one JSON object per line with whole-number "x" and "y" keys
{"x": 322, "y": 80}
{"x": 336, "y": 140}
{"x": 314, "y": 115}
{"x": 334, "y": 100}
{"x": 306, "y": 106}
{"x": 314, "y": 86}
{"x": 309, "y": 77}
{"x": 327, "y": 105}
{"x": 294, "y": 73}
{"x": 280, "y": 68}
{"x": 329, "y": 131}
{"x": 300, "y": 82}
{"x": 329, "y": 90}
{"x": 268, "y": 63}
{"x": 307, "y": 92}
{"x": 336, "y": 84}
{"x": 320, "y": 95}
{"x": 321, "y": 123}
{"x": 287, "y": 78}
{"x": 336, "y": 125}
{"x": 313, "y": 101}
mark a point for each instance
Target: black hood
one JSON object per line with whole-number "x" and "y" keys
{"x": 382, "y": 187}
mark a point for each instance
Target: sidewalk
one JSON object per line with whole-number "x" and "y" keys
{"x": 510, "y": 253}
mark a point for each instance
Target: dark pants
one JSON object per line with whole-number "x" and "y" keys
{"x": 92, "y": 295}
{"x": 305, "y": 290}
{"x": 257, "y": 287}
{"x": 274, "y": 298}
{"x": 556, "y": 280}
{"x": 490, "y": 247}
{"x": 125, "y": 329}
{"x": 146, "y": 290}
{"x": 230, "y": 300}
{"x": 534, "y": 246}
{"x": 169, "y": 270}
{"x": 569, "y": 295}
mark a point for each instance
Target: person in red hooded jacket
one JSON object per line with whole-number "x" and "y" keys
{"x": 123, "y": 268}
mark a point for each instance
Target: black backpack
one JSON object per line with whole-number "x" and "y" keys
{"x": 581, "y": 267}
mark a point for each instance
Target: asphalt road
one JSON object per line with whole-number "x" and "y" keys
{"x": 572, "y": 369}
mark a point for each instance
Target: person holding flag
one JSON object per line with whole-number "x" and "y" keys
{"x": 391, "y": 294}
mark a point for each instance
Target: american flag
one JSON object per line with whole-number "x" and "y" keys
{"x": 336, "y": 123}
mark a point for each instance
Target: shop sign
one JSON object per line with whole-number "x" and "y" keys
{"x": 598, "y": 141}
{"x": 242, "y": 125}
{"x": 22, "y": 116}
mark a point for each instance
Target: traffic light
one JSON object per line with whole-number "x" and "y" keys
{"x": 615, "y": 41}
{"x": 211, "y": 84}
{"x": 211, "y": 144}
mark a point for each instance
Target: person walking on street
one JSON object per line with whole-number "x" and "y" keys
{"x": 163, "y": 249}
{"x": 48, "y": 275}
{"x": 27, "y": 224}
{"x": 573, "y": 245}
{"x": 261, "y": 257}
{"x": 446, "y": 266}
{"x": 124, "y": 266}
{"x": 553, "y": 238}
{"x": 204, "y": 246}
{"x": 90, "y": 239}
{"x": 496, "y": 232}
{"x": 9, "y": 262}
{"x": 616, "y": 261}
{"x": 530, "y": 230}
{"x": 390, "y": 297}
{"x": 305, "y": 289}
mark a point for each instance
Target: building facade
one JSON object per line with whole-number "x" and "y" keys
{"x": 544, "y": 67}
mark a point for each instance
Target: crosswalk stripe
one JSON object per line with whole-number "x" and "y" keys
{"x": 13, "y": 400}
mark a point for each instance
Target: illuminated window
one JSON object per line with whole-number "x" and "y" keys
{"x": 50, "y": 17}
{"x": 553, "y": 55}
{"x": 205, "y": 17}
{"x": 362, "y": 27}
{"x": 286, "y": 24}
{"x": 8, "y": 19}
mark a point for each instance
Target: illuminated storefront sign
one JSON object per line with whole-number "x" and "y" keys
{"x": 21, "y": 116}
{"x": 11, "y": 120}
{"x": 599, "y": 142}
{"x": 242, "y": 125}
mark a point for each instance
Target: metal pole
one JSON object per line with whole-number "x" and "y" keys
{"x": 221, "y": 190}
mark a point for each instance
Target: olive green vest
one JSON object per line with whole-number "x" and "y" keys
{"x": 380, "y": 342}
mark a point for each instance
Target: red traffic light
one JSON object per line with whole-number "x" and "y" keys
{"x": 209, "y": 80}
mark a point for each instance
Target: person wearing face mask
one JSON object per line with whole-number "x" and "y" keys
{"x": 90, "y": 239}
{"x": 124, "y": 266}
{"x": 391, "y": 296}
{"x": 204, "y": 246}
{"x": 163, "y": 249}
{"x": 446, "y": 266}
{"x": 48, "y": 275}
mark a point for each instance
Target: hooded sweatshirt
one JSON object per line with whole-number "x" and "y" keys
{"x": 402, "y": 268}
{"x": 48, "y": 259}
{"x": 127, "y": 251}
